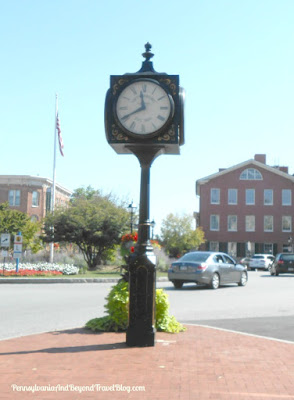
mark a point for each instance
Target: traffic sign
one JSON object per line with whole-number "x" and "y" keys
{"x": 17, "y": 248}
{"x": 18, "y": 239}
{"x": 5, "y": 239}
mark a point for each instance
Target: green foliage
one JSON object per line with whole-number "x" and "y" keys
{"x": 14, "y": 221}
{"x": 117, "y": 307}
{"x": 95, "y": 223}
{"x": 178, "y": 236}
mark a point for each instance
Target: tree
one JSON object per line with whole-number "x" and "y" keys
{"x": 95, "y": 223}
{"x": 178, "y": 236}
{"x": 14, "y": 221}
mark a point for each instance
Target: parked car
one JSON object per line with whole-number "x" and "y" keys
{"x": 261, "y": 261}
{"x": 208, "y": 268}
{"x": 283, "y": 264}
{"x": 245, "y": 262}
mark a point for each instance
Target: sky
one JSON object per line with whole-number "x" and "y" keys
{"x": 234, "y": 58}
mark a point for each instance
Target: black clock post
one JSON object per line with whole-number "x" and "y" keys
{"x": 144, "y": 116}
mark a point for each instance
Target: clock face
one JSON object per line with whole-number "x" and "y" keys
{"x": 144, "y": 107}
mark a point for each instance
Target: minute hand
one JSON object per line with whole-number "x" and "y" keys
{"x": 133, "y": 112}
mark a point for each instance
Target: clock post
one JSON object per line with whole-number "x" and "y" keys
{"x": 144, "y": 116}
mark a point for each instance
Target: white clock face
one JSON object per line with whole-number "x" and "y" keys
{"x": 143, "y": 107}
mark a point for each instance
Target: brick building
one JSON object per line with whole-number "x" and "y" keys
{"x": 31, "y": 194}
{"x": 247, "y": 208}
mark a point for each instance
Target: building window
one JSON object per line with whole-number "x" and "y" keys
{"x": 251, "y": 174}
{"x": 232, "y": 196}
{"x": 286, "y": 197}
{"x": 35, "y": 199}
{"x": 268, "y": 223}
{"x": 268, "y": 197}
{"x": 232, "y": 223}
{"x": 268, "y": 248}
{"x": 286, "y": 223}
{"x": 232, "y": 249}
{"x": 14, "y": 197}
{"x": 214, "y": 222}
{"x": 34, "y": 218}
{"x": 250, "y": 196}
{"x": 250, "y": 223}
{"x": 214, "y": 246}
{"x": 214, "y": 196}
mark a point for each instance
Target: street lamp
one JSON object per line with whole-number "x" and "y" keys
{"x": 152, "y": 223}
{"x": 131, "y": 208}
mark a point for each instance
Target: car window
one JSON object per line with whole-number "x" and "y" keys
{"x": 218, "y": 259}
{"x": 271, "y": 258}
{"x": 287, "y": 257}
{"x": 228, "y": 260}
{"x": 201, "y": 257}
{"x": 255, "y": 257}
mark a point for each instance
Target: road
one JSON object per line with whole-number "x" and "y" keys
{"x": 263, "y": 307}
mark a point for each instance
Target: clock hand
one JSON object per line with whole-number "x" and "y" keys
{"x": 142, "y": 100}
{"x": 134, "y": 112}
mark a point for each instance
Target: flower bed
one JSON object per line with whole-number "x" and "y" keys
{"x": 40, "y": 269}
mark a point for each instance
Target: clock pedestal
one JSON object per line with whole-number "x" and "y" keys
{"x": 136, "y": 122}
{"x": 142, "y": 263}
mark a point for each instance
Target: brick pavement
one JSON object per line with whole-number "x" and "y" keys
{"x": 201, "y": 363}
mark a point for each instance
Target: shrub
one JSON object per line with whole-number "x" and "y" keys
{"x": 117, "y": 307}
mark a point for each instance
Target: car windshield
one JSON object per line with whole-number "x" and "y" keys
{"x": 287, "y": 257}
{"x": 199, "y": 257}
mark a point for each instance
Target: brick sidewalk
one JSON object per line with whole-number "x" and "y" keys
{"x": 201, "y": 363}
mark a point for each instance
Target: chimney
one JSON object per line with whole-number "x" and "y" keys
{"x": 284, "y": 169}
{"x": 260, "y": 158}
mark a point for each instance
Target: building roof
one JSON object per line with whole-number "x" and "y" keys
{"x": 257, "y": 164}
{"x": 30, "y": 180}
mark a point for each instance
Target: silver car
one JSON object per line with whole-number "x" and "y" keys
{"x": 208, "y": 268}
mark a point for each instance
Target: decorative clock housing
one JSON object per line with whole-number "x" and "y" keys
{"x": 145, "y": 109}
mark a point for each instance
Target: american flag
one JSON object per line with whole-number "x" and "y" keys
{"x": 59, "y": 136}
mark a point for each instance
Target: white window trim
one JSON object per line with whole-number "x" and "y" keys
{"x": 286, "y": 230}
{"x": 233, "y": 230}
{"x": 290, "y": 204}
{"x": 249, "y": 230}
{"x": 268, "y": 230}
{"x": 214, "y": 202}
{"x": 214, "y": 215}
{"x": 236, "y": 190}
{"x": 250, "y": 204}
{"x": 268, "y": 204}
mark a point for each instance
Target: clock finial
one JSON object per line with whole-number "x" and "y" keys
{"x": 148, "y": 53}
{"x": 147, "y": 65}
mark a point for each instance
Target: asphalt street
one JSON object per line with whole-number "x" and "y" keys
{"x": 263, "y": 307}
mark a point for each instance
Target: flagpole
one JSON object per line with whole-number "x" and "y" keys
{"x": 54, "y": 176}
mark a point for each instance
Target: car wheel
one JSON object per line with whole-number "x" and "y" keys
{"x": 243, "y": 279}
{"x": 178, "y": 284}
{"x": 214, "y": 284}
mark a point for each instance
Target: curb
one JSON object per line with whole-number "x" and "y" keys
{"x": 64, "y": 280}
